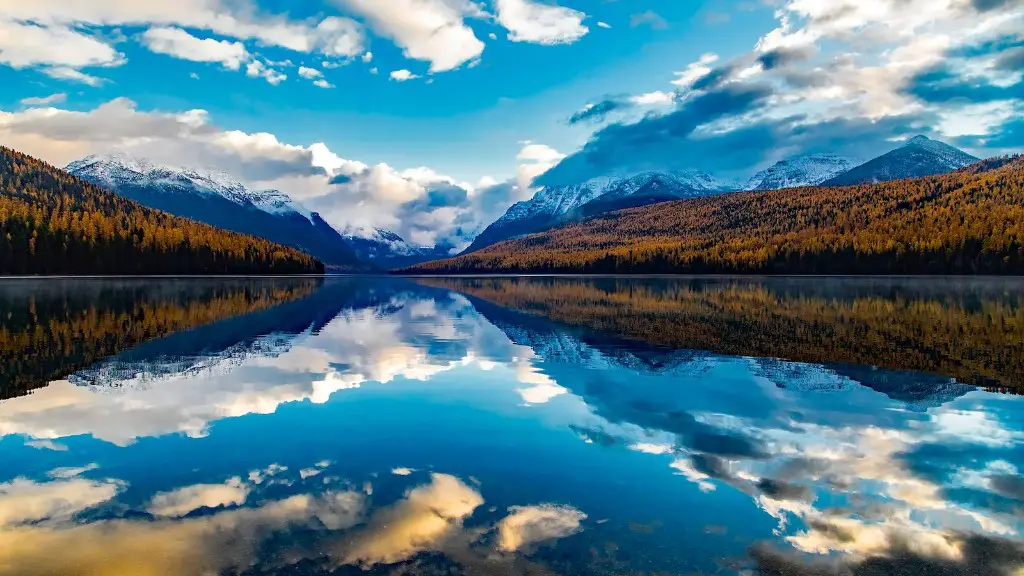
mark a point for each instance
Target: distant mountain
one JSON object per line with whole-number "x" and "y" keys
{"x": 219, "y": 200}
{"x": 806, "y": 170}
{"x": 556, "y": 205}
{"x": 386, "y": 250}
{"x": 814, "y": 230}
{"x": 920, "y": 156}
{"x": 55, "y": 223}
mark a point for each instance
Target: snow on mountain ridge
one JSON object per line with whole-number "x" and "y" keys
{"x": 118, "y": 168}
{"x": 805, "y": 170}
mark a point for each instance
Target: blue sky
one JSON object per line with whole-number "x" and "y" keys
{"x": 405, "y": 96}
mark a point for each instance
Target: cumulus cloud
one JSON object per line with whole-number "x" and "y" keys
{"x": 430, "y": 30}
{"x": 180, "y": 44}
{"x": 540, "y": 23}
{"x": 50, "y": 34}
{"x": 182, "y": 501}
{"x": 260, "y": 69}
{"x": 527, "y": 526}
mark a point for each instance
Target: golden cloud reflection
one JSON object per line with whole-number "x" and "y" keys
{"x": 201, "y": 529}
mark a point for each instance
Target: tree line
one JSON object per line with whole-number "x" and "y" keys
{"x": 966, "y": 222}
{"x": 54, "y": 223}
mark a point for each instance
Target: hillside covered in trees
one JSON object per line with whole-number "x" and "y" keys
{"x": 966, "y": 222}
{"x": 54, "y": 223}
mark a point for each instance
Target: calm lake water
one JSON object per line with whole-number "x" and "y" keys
{"x": 511, "y": 426}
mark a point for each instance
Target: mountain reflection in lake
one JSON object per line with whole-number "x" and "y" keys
{"x": 511, "y": 426}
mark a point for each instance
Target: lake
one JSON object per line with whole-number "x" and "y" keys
{"x": 564, "y": 426}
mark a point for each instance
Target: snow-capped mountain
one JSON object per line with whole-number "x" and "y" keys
{"x": 388, "y": 250}
{"x": 920, "y": 156}
{"x": 219, "y": 200}
{"x": 805, "y": 170}
{"x": 554, "y": 205}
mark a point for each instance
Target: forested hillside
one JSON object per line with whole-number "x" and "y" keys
{"x": 54, "y": 223}
{"x": 967, "y": 222}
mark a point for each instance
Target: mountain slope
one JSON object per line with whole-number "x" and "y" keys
{"x": 386, "y": 250}
{"x": 806, "y": 170}
{"x": 556, "y": 205}
{"x": 221, "y": 201}
{"x": 920, "y": 156}
{"x": 968, "y": 222}
{"x": 54, "y": 223}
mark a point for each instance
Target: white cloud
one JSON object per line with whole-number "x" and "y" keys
{"x": 71, "y": 472}
{"x": 534, "y": 160}
{"x": 180, "y": 44}
{"x": 539, "y": 23}
{"x": 656, "y": 98}
{"x": 258, "y": 69}
{"x": 58, "y": 98}
{"x": 403, "y": 75}
{"x": 24, "y": 45}
{"x": 72, "y": 75}
{"x": 527, "y": 526}
{"x": 321, "y": 83}
{"x": 604, "y": 25}
{"x": 695, "y": 70}
{"x": 402, "y": 471}
{"x": 430, "y": 30}
{"x": 180, "y": 502}
{"x": 367, "y": 57}
{"x": 374, "y": 70}
{"x": 310, "y": 73}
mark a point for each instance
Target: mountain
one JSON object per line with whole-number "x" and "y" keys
{"x": 386, "y": 250}
{"x": 556, "y": 205}
{"x": 806, "y": 170}
{"x": 920, "y": 156}
{"x": 219, "y": 200}
{"x": 966, "y": 222}
{"x": 52, "y": 222}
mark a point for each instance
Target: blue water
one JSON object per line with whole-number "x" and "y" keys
{"x": 394, "y": 427}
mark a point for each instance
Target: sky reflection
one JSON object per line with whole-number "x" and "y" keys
{"x": 381, "y": 423}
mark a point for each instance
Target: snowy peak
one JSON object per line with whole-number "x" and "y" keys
{"x": 918, "y": 157}
{"x": 951, "y": 157}
{"x": 118, "y": 170}
{"x": 805, "y": 170}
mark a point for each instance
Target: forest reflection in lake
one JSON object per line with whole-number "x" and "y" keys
{"x": 514, "y": 426}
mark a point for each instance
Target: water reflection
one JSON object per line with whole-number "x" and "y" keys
{"x": 480, "y": 427}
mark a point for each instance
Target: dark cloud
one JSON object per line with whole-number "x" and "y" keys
{"x": 941, "y": 85}
{"x": 781, "y": 57}
{"x": 599, "y": 111}
{"x": 780, "y": 490}
{"x": 655, "y": 141}
{"x": 669, "y": 141}
{"x": 1011, "y": 60}
{"x": 1009, "y": 485}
